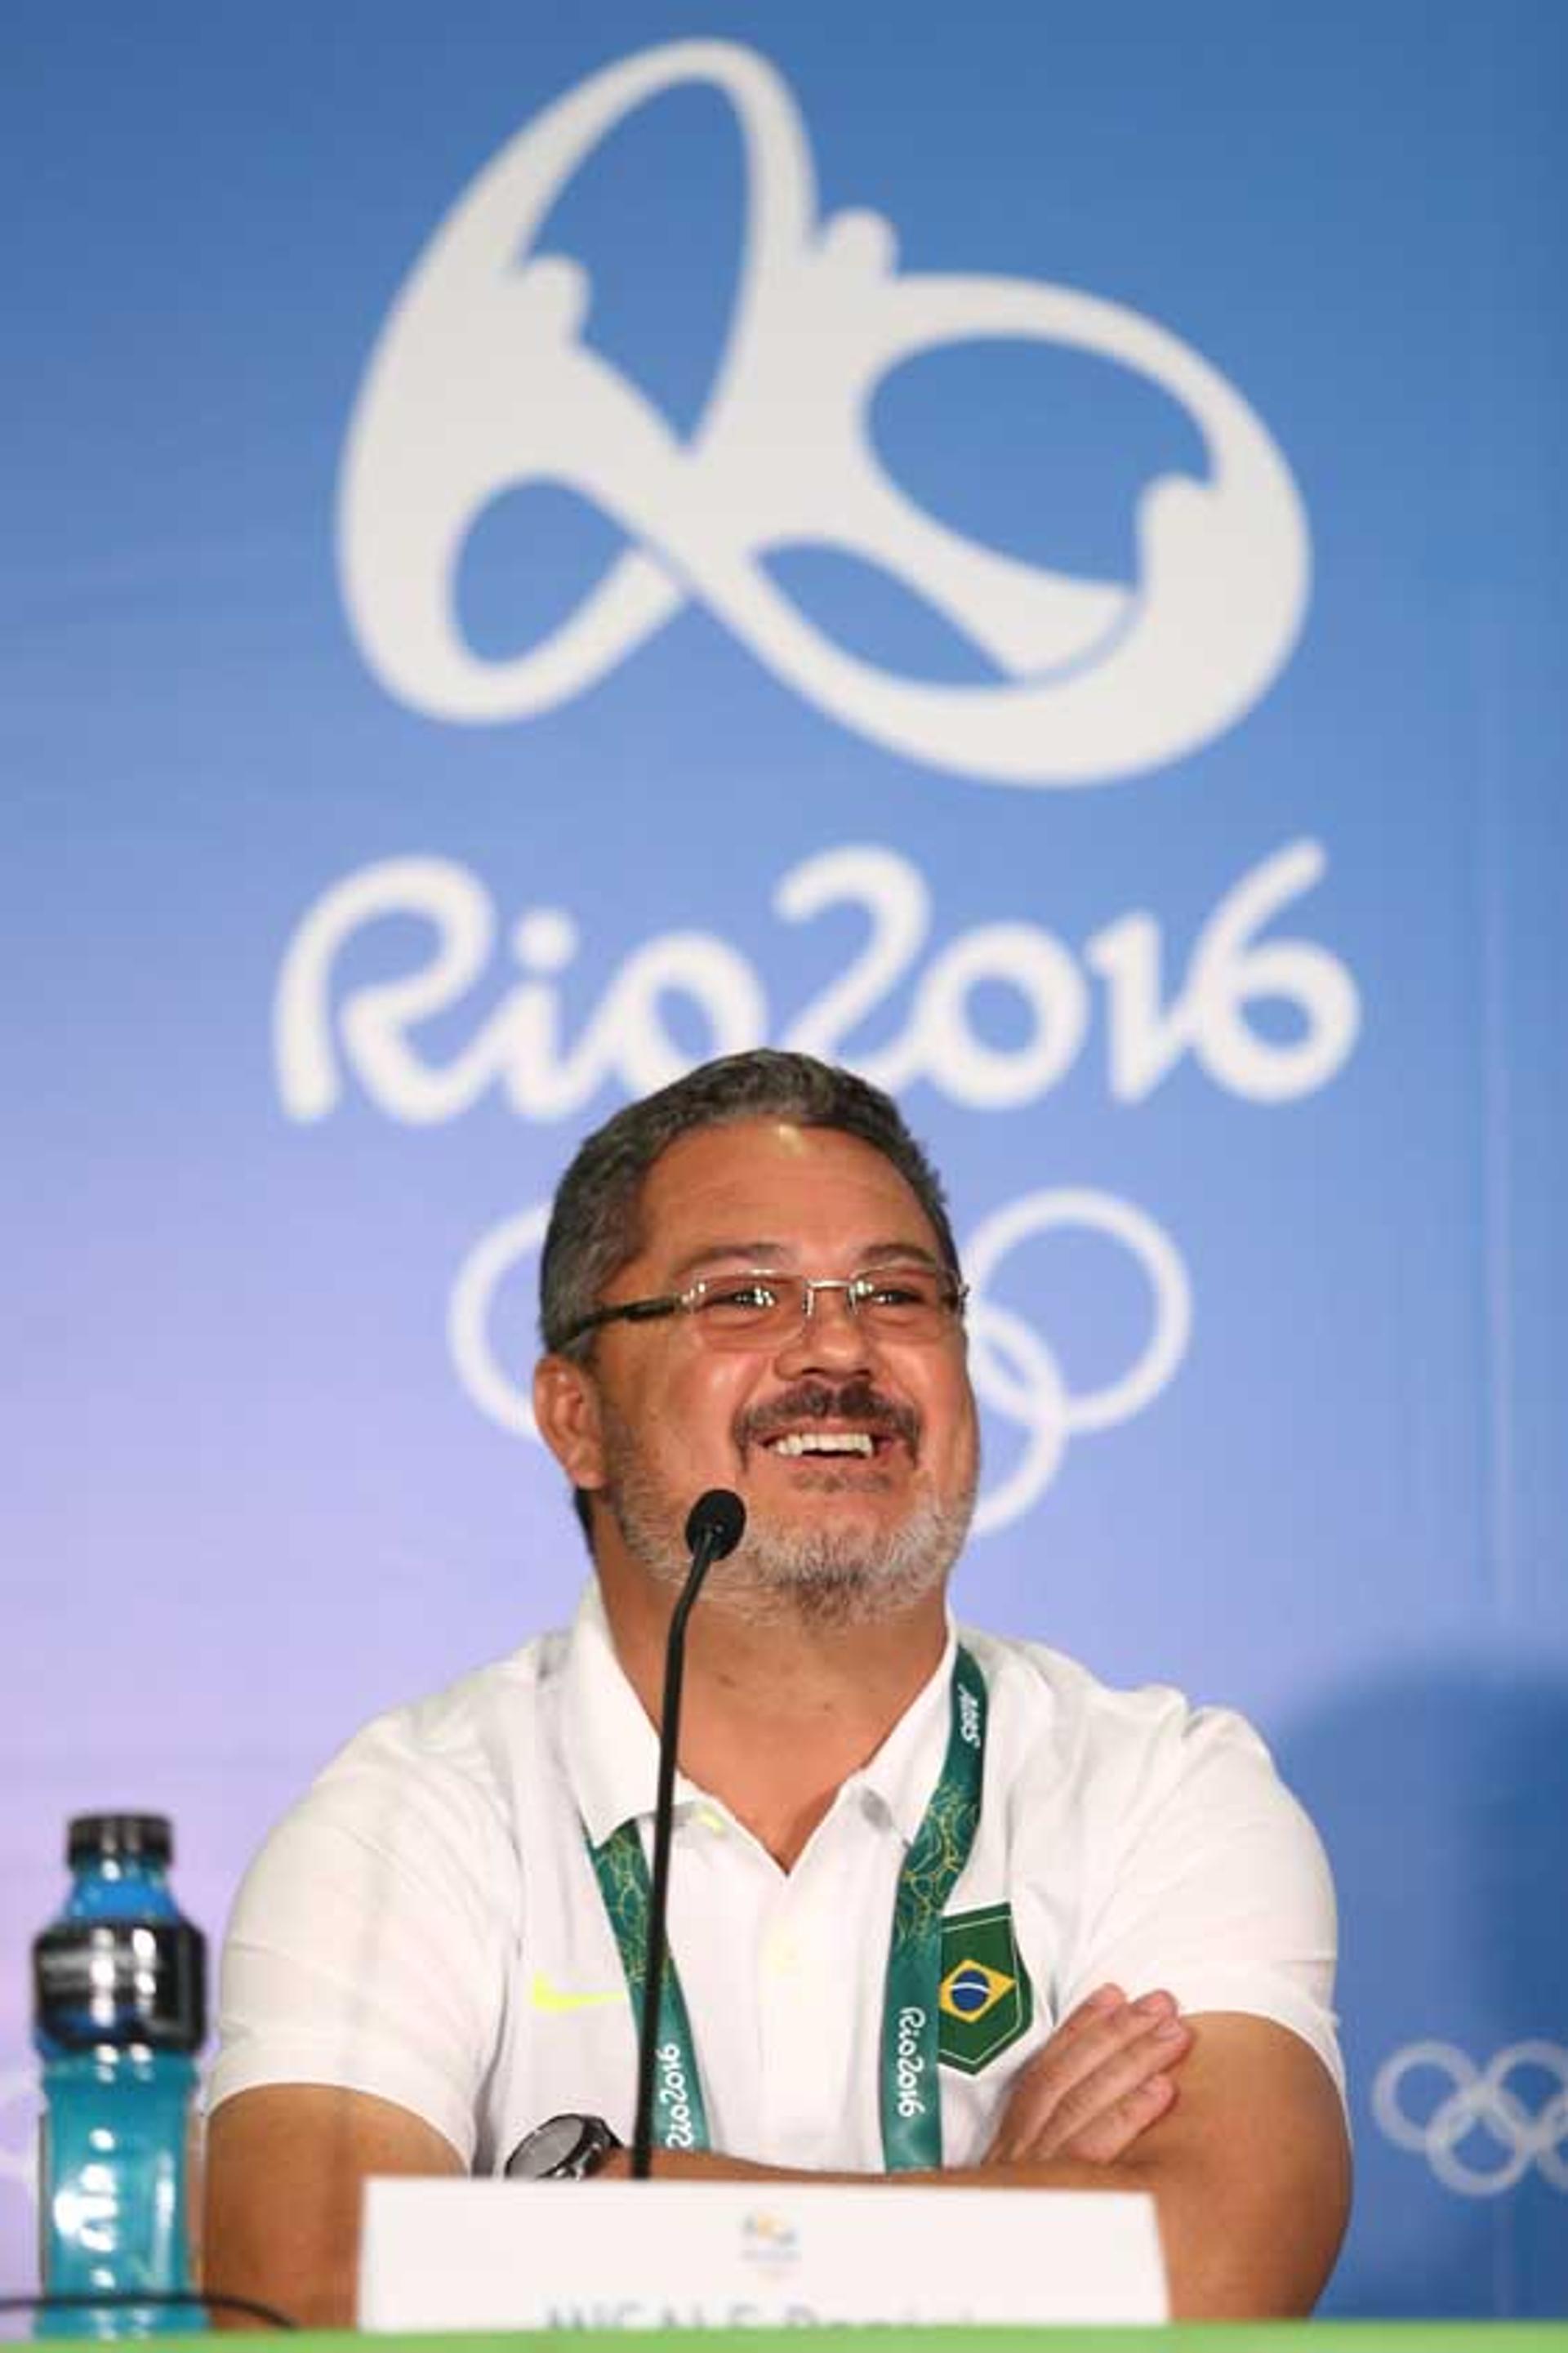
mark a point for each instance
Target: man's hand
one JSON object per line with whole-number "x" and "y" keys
{"x": 1251, "y": 2171}
{"x": 1105, "y": 2075}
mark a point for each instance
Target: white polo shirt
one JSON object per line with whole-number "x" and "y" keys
{"x": 426, "y": 1923}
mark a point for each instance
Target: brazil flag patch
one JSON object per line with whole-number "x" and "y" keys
{"x": 984, "y": 2001}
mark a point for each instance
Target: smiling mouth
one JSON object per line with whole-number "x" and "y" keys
{"x": 796, "y": 1445}
{"x": 814, "y": 1422}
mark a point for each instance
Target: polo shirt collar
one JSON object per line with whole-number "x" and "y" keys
{"x": 611, "y": 1750}
{"x": 904, "y": 1771}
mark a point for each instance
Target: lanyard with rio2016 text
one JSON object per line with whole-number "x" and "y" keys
{"x": 910, "y": 2097}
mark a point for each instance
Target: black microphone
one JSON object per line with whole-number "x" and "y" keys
{"x": 714, "y": 1526}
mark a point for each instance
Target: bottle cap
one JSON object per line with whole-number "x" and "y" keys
{"x": 97, "y": 1837}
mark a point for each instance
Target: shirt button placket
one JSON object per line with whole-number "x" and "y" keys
{"x": 811, "y": 1964}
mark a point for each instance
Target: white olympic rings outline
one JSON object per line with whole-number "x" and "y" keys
{"x": 1013, "y": 1370}
{"x": 1480, "y": 2099}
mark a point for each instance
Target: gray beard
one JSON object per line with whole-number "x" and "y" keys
{"x": 815, "y": 1576}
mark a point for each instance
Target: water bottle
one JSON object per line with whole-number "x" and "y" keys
{"x": 119, "y": 1999}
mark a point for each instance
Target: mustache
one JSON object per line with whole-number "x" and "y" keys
{"x": 857, "y": 1401}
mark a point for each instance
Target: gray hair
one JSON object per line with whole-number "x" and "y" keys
{"x": 596, "y": 1224}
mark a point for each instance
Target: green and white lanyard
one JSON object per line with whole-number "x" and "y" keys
{"x": 910, "y": 2097}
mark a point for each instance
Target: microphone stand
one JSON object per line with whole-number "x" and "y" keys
{"x": 714, "y": 1528}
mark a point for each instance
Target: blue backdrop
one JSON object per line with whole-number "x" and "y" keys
{"x": 1020, "y": 548}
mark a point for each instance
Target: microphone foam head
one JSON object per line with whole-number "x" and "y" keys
{"x": 716, "y": 1521}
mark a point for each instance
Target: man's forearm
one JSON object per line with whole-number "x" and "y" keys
{"x": 1225, "y": 2260}
{"x": 702, "y": 2165}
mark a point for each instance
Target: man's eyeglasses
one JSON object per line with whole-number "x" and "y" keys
{"x": 758, "y": 1309}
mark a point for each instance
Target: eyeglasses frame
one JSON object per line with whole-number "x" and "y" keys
{"x": 686, "y": 1302}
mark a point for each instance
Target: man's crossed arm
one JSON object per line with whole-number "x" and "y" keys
{"x": 1230, "y": 2120}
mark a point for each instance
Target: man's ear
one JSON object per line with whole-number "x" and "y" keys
{"x": 566, "y": 1408}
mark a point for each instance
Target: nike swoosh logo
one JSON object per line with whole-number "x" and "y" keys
{"x": 543, "y": 1995}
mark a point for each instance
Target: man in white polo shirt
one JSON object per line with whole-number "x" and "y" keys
{"x": 904, "y": 1854}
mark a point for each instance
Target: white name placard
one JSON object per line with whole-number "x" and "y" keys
{"x": 494, "y": 2255}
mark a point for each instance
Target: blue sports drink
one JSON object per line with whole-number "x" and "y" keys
{"x": 119, "y": 1983}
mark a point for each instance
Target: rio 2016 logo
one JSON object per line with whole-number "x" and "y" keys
{"x": 326, "y": 1034}
{"x": 481, "y": 383}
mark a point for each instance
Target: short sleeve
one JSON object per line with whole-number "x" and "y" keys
{"x": 370, "y": 1942}
{"x": 1221, "y": 1890}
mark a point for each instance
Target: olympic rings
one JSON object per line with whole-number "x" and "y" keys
{"x": 1479, "y": 2100}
